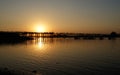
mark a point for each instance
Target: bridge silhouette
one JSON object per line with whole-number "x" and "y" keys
{"x": 30, "y": 35}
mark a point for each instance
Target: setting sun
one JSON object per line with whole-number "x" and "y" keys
{"x": 40, "y": 28}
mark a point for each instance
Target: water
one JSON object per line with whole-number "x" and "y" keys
{"x": 62, "y": 56}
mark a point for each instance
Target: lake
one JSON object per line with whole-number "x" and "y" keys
{"x": 58, "y": 56}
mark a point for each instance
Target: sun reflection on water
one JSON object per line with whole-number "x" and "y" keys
{"x": 40, "y": 44}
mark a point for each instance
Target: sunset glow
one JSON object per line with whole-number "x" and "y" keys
{"x": 74, "y": 16}
{"x": 60, "y": 37}
{"x": 40, "y": 28}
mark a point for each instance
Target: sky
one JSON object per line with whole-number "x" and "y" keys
{"x": 81, "y": 16}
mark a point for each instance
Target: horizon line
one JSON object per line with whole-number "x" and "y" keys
{"x": 64, "y": 32}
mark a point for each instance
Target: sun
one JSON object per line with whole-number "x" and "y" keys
{"x": 40, "y": 28}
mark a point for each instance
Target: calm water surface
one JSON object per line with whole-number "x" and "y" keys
{"x": 63, "y": 56}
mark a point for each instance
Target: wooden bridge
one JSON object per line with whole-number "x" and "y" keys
{"x": 113, "y": 35}
{"x": 37, "y": 34}
{"x": 76, "y": 36}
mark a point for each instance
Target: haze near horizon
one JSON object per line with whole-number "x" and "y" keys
{"x": 100, "y": 16}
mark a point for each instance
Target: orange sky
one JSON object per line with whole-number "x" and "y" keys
{"x": 60, "y": 15}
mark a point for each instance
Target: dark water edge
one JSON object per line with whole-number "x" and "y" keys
{"x": 6, "y": 71}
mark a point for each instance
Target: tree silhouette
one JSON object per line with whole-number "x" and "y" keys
{"x": 113, "y": 34}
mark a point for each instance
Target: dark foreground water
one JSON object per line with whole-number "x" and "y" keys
{"x": 62, "y": 56}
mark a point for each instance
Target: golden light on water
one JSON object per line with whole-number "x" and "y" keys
{"x": 40, "y": 44}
